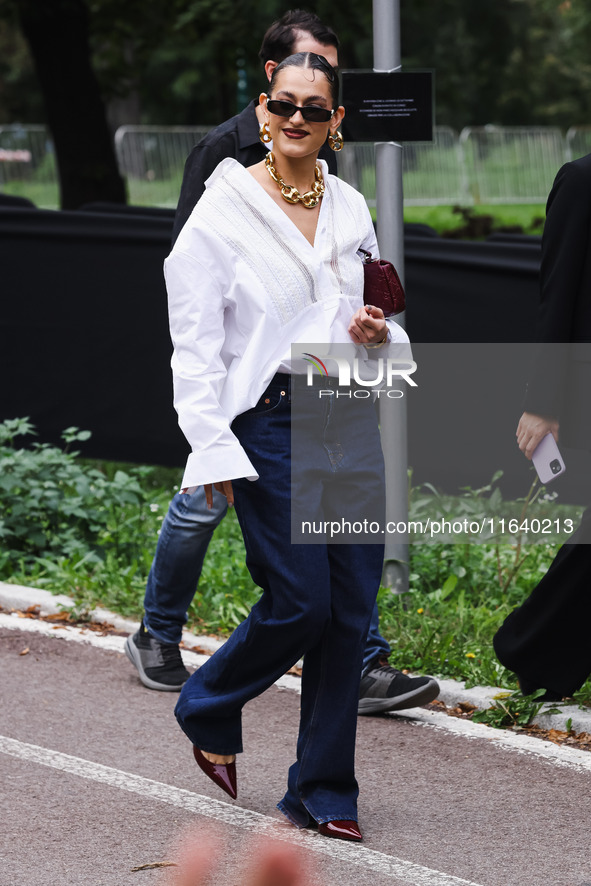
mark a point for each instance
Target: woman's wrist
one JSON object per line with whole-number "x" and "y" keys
{"x": 381, "y": 343}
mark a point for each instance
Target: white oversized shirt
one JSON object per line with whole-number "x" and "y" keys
{"x": 243, "y": 285}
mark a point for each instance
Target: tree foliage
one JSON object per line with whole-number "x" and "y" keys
{"x": 512, "y": 62}
{"x": 20, "y": 98}
{"x": 186, "y": 61}
{"x": 508, "y": 62}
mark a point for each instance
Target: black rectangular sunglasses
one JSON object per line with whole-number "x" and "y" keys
{"x": 312, "y": 113}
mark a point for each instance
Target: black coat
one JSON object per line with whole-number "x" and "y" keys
{"x": 561, "y": 382}
{"x": 546, "y": 640}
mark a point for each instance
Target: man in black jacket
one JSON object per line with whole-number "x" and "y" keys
{"x": 546, "y": 640}
{"x": 189, "y": 524}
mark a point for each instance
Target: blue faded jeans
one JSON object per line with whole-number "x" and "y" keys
{"x": 316, "y": 602}
{"x": 182, "y": 544}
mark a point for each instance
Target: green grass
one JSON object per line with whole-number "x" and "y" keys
{"x": 226, "y": 591}
{"x": 530, "y": 217}
{"x": 42, "y": 194}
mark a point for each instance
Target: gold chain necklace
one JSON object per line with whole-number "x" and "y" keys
{"x": 310, "y": 199}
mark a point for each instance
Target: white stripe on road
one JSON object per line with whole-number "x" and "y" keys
{"x": 545, "y": 751}
{"x": 108, "y": 642}
{"x": 368, "y": 859}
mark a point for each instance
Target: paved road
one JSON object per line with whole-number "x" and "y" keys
{"x": 96, "y": 779}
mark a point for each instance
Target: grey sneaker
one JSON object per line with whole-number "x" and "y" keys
{"x": 159, "y": 665}
{"x": 385, "y": 688}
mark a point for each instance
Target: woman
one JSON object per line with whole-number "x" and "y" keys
{"x": 259, "y": 265}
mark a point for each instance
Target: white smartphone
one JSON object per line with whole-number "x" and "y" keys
{"x": 547, "y": 459}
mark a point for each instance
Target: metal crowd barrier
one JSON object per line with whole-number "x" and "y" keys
{"x": 578, "y": 142}
{"x": 488, "y": 164}
{"x": 511, "y": 164}
{"x": 27, "y": 164}
{"x": 433, "y": 173}
{"x": 152, "y": 159}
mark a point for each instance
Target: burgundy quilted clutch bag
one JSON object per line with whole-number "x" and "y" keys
{"x": 382, "y": 287}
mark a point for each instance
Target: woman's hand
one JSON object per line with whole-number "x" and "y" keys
{"x": 225, "y": 487}
{"x": 532, "y": 429}
{"x": 368, "y": 326}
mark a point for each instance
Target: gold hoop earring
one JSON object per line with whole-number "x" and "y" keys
{"x": 336, "y": 141}
{"x": 264, "y": 134}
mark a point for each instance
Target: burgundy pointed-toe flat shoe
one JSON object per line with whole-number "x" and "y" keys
{"x": 222, "y": 774}
{"x": 341, "y": 829}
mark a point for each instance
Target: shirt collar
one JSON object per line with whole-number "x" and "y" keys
{"x": 248, "y": 125}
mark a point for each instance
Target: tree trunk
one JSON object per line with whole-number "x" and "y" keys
{"x": 57, "y": 34}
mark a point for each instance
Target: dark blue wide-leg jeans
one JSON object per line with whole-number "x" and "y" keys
{"x": 316, "y": 601}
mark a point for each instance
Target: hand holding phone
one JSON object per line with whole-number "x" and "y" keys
{"x": 547, "y": 459}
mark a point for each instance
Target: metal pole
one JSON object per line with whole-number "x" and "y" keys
{"x": 386, "y": 47}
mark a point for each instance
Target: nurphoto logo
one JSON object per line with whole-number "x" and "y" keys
{"x": 387, "y": 371}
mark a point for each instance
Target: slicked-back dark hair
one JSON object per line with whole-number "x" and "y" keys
{"x": 314, "y": 62}
{"x": 279, "y": 39}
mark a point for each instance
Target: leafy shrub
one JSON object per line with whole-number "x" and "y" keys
{"x": 52, "y": 506}
{"x": 91, "y": 531}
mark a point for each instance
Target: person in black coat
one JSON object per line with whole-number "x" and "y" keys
{"x": 546, "y": 641}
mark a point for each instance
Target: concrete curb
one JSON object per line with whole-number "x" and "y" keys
{"x": 18, "y": 597}
{"x": 451, "y": 693}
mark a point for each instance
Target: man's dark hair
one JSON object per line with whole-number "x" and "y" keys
{"x": 280, "y": 37}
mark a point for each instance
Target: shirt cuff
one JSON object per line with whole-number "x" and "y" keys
{"x": 216, "y": 465}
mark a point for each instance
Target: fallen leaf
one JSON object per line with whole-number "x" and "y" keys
{"x": 155, "y": 864}
{"x": 57, "y": 616}
{"x": 200, "y": 650}
{"x": 466, "y": 707}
